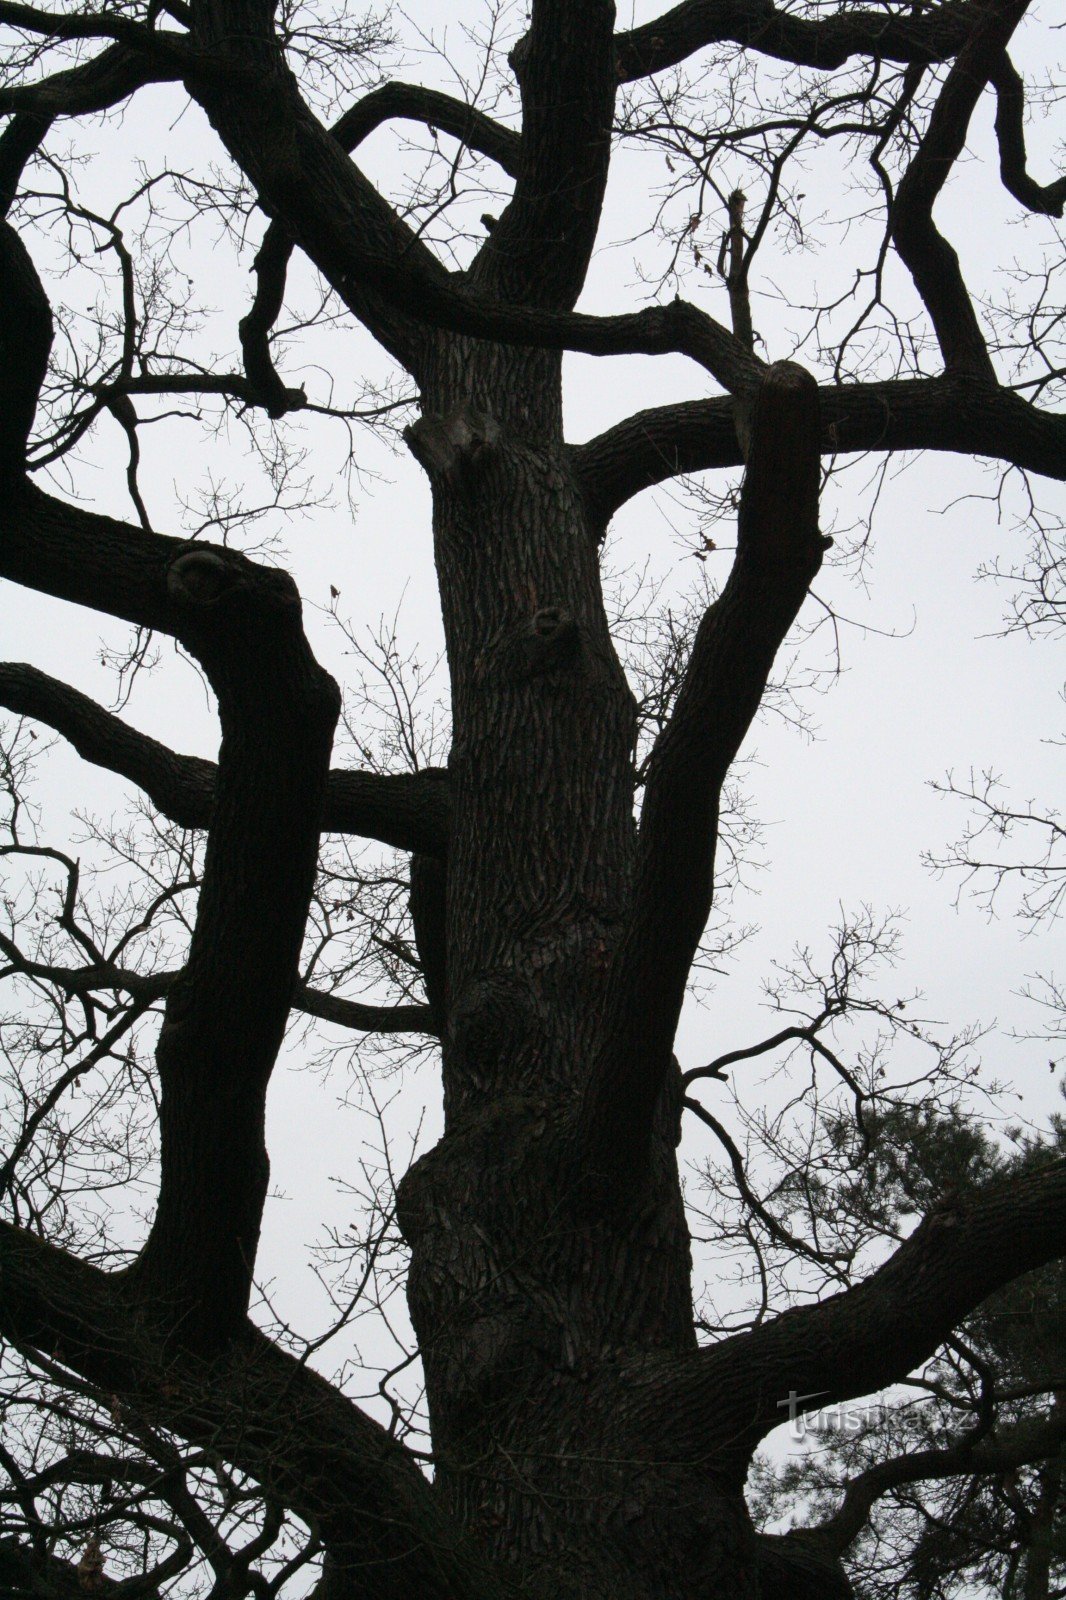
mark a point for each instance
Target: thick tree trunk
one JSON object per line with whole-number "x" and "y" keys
{"x": 519, "y": 1295}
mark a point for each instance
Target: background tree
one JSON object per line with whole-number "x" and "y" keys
{"x": 561, "y": 835}
{"x": 952, "y": 1487}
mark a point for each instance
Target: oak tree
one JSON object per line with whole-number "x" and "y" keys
{"x": 586, "y": 1441}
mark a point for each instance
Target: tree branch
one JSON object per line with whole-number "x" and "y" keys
{"x": 182, "y": 787}
{"x": 20, "y": 140}
{"x": 758, "y": 25}
{"x": 363, "y": 1018}
{"x": 96, "y": 85}
{"x": 1047, "y": 199}
{"x": 148, "y": 987}
{"x": 1035, "y": 1439}
{"x": 225, "y": 1016}
{"x": 410, "y": 102}
{"x": 837, "y": 1350}
{"x": 779, "y": 550}
{"x": 406, "y": 810}
{"x": 268, "y": 1413}
{"x": 906, "y": 414}
{"x": 57, "y": 25}
{"x": 226, "y": 1012}
{"x": 25, "y": 342}
{"x": 566, "y": 73}
{"x": 404, "y": 101}
{"x": 930, "y": 259}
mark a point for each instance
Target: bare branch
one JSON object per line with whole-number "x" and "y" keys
{"x": 836, "y": 1350}
{"x": 1047, "y": 199}
{"x": 905, "y": 414}
{"x": 407, "y": 810}
{"x": 104, "y": 81}
{"x": 976, "y": 1455}
{"x": 827, "y": 42}
{"x": 930, "y": 259}
{"x": 779, "y": 550}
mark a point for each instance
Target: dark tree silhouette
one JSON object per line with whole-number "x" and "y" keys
{"x": 585, "y": 1442}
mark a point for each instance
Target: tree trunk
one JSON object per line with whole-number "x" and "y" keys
{"x": 519, "y": 1293}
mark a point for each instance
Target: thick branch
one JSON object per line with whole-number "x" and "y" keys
{"x": 930, "y": 259}
{"x": 20, "y": 140}
{"x": 148, "y": 987}
{"x": 406, "y": 810}
{"x": 540, "y": 249}
{"x": 738, "y": 1390}
{"x": 225, "y": 1014}
{"x": 410, "y": 102}
{"x": 56, "y": 25}
{"x": 1047, "y": 199}
{"x": 27, "y": 1573}
{"x": 102, "y": 563}
{"x": 225, "y": 1017}
{"x": 923, "y": 37}
{"x": 779, "y": 550}
{"x": 269, "y": 1414}
{"x": 25, "y": 340}
{"x": 102, "y": 82}
{"x": 182, "y": 787}
{"x": 391, "y": 100}
{"x": 910, "y": 414}
{"x": 717, "y": 1405}
{"x": 362, "y": 1018}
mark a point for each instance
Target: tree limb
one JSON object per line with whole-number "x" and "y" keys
{"x": 20, "y": 140}
{"x": 566, "y": 74}
{"x": 779, "y": 550}
{"x": 268, "y": 1413}
{"x": 930, "y": 259}
{"x": 57, "y": 25}
{"x": 1047, "y": 199}
{"x": 364, "y": 1018}
{"x": 406, "y": 810}
{"x": 904, "y": 414}
{"x": 921, "y": 37}
{"x": 225, "y": 1015}
{"x": 410, "y": 102}
{"x": 96, "y": 85}
{"x": 25, "y": 342}
{"x": 738, "y": 1389}
{"x": 404, "y": 101}
{"x": 148, "y": 987}
{"x": 226, "y": 1012}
